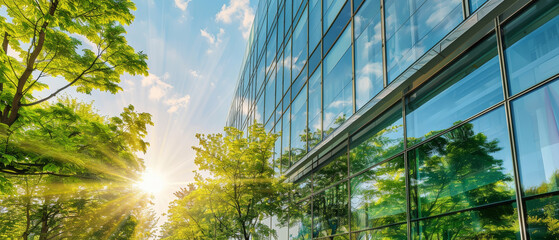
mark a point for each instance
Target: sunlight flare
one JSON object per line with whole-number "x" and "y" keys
{"x": 151, "y": 182}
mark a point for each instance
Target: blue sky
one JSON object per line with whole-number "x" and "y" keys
{"x": 195, "y": 50}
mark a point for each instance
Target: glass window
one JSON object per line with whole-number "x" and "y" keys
{"x": 368, "y": 56}
{"x": 285, "y": 137}
{"x": 300, "y": 39}
{"x": 330, "y": 211}
{"x": 338, "y": 88}
{"x": 331, "y": 8}
{"x": 315, "y": 26}
{"x": 394, "y": 232}
{"x": 475, "y": 4}
{"x": 270, "y": 102}
{"x": 259, "y": 111}
{"x": 300, "y": 222}
{"x": 337, "y": 27}
{"x": 277, "y": 151}
{"x": 378, "y": 141}
{"x": 315, "y": 59}
{"x": 288, "y": 16}
{"x": 467, "y": 167}
{"x": 415, "y": 26}
{"x": 536, "y": 130}
{"x": 303, "y": 188}
{"x": 299, "y": 126}
{"x": 315, "y": 108}
{"x": 332, "y": 172}
{"x": 532, "y": 46}
{"x": 543, "y": 215}
{"x": 378, "y": 196}
{"x": 467, "y": 87}
{"x": 500, "y": 222}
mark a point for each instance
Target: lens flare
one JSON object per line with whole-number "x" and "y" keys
{"x": 151, "y": 182}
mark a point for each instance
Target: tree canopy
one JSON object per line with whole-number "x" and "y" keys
{"x": 234, "y": 189}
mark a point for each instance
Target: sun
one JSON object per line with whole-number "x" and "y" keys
{"x": 151, "y": 182}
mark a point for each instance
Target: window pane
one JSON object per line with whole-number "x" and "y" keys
{"x": 396, "y": 232}
{"x": 315, "y": 108}
{"x": 536, "y": 124}
{"x": 338, "y": 90}
{"x": 330, "y": 211}
{"x": 467, "y": 167}
{"x": 380, "y": 140}
{"x": 368, "y": 57}
{"x": 315, "y": 26}
{"x": 300, "y": 45}
{"x": 331, "y": 9}
{"x": 298, "y": 126}
{"x": 500, "y": 222}
{"x": 543, "y": 215}
{"x": 415, "y": 26}
{"x": 337, "y": 27}
{"x": 300, "y": 222}
{"x": 378, "y": 196}
{"x": 532, "y": 46}
{"x": 467, "y": 87}
{"x": 285, "y": 137}
{"x": 475, "y": 4}
{"x": 331, "y": 173}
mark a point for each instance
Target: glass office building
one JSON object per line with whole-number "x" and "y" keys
{"x": 409, "y": 119}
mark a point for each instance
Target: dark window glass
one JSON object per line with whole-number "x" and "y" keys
{"x": 298, "y": 126}
{"x": 467, "y": 87}
{"x": 337, "y": 27}
{"x": 464, "y": 168}
{"x": 394, "y": 232}
{"x": 475, "y": 4}
{"x": 378, "y": 196}
{"x": 315, "y": 59}
{"x": 415, "y": 26}
{"x": 532, "y": 46}
{"x": 368, "y": 54}
{"x": 330, "y": 173}
{"x": 330, "y": 211}
{"x": 536, "y": 130}
{"x": 357, "y": 3}
{"x": 338, "y": 89}
{"x": 543, "y": 216}
{"x": 378, "y": 141}
{"x": 315, "y": 108}
{"x": 288, "y": 16}
{"x": 500, "y": 222}
{"x": 299, "y": 82}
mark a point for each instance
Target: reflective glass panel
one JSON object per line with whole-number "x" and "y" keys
{"x": 415, "y": 26}
{"x": 467, "y": 167}
{"x": 285, "y": 137}
{"x": 315, "y": 108}
{"x": 536, "y": 130}
{"x": 368, "y": 56}
{"x": 500, "y": 222}
{"x": 331, "y": 173}
{"x": 543, "y": 216}
{"x": 338, "y": 90}
{"x": 330, "y": 211}
{"x": 300, "y": 38}
{"x": 298, "y": 126}
{"x": 532, "y": 46}
{"x": 475, "y": 4}
{"x": 395, "y": 232}
{"x": 378, "y": 196}
{"x": 467, "y": 87}
{"x": 331, "y": 8}
{"x": 315, "y": 26}
{"x": 300, "y": 222}
{"x": 381, "y": 139}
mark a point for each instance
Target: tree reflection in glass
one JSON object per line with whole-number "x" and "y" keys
{"x": 330, "y": 211}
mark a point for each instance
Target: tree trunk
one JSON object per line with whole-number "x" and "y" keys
{"x": 44, "y": 224}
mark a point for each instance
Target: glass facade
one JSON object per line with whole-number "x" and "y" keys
{"x": 465, "y": 149}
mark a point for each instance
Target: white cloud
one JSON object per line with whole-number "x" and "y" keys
{"x": 238, "y": 10}
{"x": 214, "y": 40}
{"x": 194, "y": 74}
{"x": 158, "y": 88}
{"x": 182, "y": 4}
{"x": 177, "y": 103}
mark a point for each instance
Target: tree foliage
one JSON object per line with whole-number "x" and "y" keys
{"x": 234, "y": 189}
{"x": 80, "y": 41}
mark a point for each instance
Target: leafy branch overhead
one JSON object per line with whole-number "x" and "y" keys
{"x": 80, "y": 41}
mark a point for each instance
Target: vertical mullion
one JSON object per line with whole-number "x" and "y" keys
{"x": 519, "y": 201}
{"x": 466, "y": 8}
{"x": 353, "y": 90}
{"x": 383, "y": 41}
{"x": 406, "y": 170}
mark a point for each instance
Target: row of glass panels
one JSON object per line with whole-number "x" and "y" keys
{"x": 456, "y": 151}
{"x": 307, "y": 79}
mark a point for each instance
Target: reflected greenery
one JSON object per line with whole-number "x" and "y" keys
{"x": 330, "y": 211}
{"x": 387, "y": 233}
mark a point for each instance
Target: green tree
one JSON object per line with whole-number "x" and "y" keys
{"x": 51, "y": 38}
{"x": 235, "y": 189}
